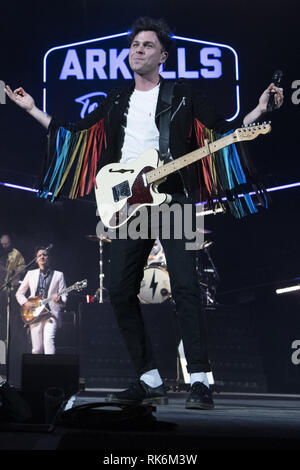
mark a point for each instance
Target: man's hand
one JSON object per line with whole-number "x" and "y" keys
{"x": 264, "y": 98}
{"x": 20, "y": 97}
{"x": 25, "y": 101}
{"x": 56, "y": 298}
{"x": 261, "y": 108}
{"x": 29, "y": 304}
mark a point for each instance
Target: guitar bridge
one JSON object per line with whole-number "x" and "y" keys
{"x": 121, "y": 191}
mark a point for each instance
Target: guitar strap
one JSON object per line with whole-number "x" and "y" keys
{"x": 164, "y": 121}
{"x": 164, "y": 128}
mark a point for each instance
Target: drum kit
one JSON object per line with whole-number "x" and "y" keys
{"x": 155, "y": 286}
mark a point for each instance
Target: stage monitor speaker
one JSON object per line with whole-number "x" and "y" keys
{"x": 41, "y": 372}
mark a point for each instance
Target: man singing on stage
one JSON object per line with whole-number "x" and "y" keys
{"x": 174, "y": 118}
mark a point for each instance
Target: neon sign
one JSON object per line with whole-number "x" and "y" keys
{"x": 105, "y": 65}
{"x": 83, "y": 72}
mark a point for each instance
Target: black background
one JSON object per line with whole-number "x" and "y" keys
{"x": 255, "y": 254}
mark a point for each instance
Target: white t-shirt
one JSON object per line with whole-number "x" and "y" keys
{"x": 141, "y": 133}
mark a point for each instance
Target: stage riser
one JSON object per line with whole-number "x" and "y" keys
{"x": 104, "y": 360}
{"x": 41, "y": 372}
{"x": 248, "y": 346}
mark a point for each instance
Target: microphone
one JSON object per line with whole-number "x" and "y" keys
{"x": 276, "y": 79}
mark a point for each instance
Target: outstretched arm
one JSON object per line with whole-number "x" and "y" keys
{"x": 261, "y": 108}
{"x": 25, "y": 101}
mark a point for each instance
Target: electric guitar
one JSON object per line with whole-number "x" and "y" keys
{"x": 122, "y": 189}
{"x": 34, "y": 314}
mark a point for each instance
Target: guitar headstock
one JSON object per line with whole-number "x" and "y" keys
{"x": 80, "y": 285}
{"x": 252, "y": 131}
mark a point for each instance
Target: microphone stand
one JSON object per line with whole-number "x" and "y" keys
{"x": 216, "y": 275}
{"x": 8, "y": 285}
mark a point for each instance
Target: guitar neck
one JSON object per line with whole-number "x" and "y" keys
{"x": 64, "y": 291}
{"x": 169, "y": 168}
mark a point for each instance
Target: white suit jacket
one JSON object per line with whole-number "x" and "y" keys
{"x": 57, "y": 284}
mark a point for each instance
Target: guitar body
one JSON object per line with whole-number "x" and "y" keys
{"x": 122, "y": 189}
{"x": 34, "y": 314}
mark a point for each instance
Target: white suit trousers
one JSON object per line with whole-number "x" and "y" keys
{"x": 43, "y": 336}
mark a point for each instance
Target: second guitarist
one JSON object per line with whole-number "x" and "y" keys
{"x": 44, "y": 282}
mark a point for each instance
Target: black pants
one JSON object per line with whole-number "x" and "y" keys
{"x": 128, "y": 259}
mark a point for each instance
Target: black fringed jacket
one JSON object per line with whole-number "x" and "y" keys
{"x": 188, "y": 104}
{"x": 98, "y": 140}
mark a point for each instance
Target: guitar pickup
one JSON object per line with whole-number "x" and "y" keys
{"x": 121, "y": 191}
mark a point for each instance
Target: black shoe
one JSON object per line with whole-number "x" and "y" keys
{"x": 200, "y": 397}
{"x": 139, "y": 393}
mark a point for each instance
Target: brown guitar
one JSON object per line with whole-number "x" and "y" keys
{"x": 34, "y": 314}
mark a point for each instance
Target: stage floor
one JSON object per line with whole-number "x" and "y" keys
{"x": 238, "y": 422}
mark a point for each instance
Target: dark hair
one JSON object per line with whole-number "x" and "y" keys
{"x": 160, "y": 27}
{"x": 39, "y": 248}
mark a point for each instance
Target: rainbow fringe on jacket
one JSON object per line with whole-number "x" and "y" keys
{"x": 223, "y": 181}
{"x": 76, "y": 156}
{"x": 224, "y": 178}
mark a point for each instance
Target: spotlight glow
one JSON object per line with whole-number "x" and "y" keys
{"x": 285, "y": 290}
{"x": 268, "y": 190}
{"x": 16, "y": 186}
{"x": 276, "y": 188}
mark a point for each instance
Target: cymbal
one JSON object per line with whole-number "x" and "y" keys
{"x": 203, "y": 230}
{"x": 203, "y": 246}
{"x": 94, "y": 238}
